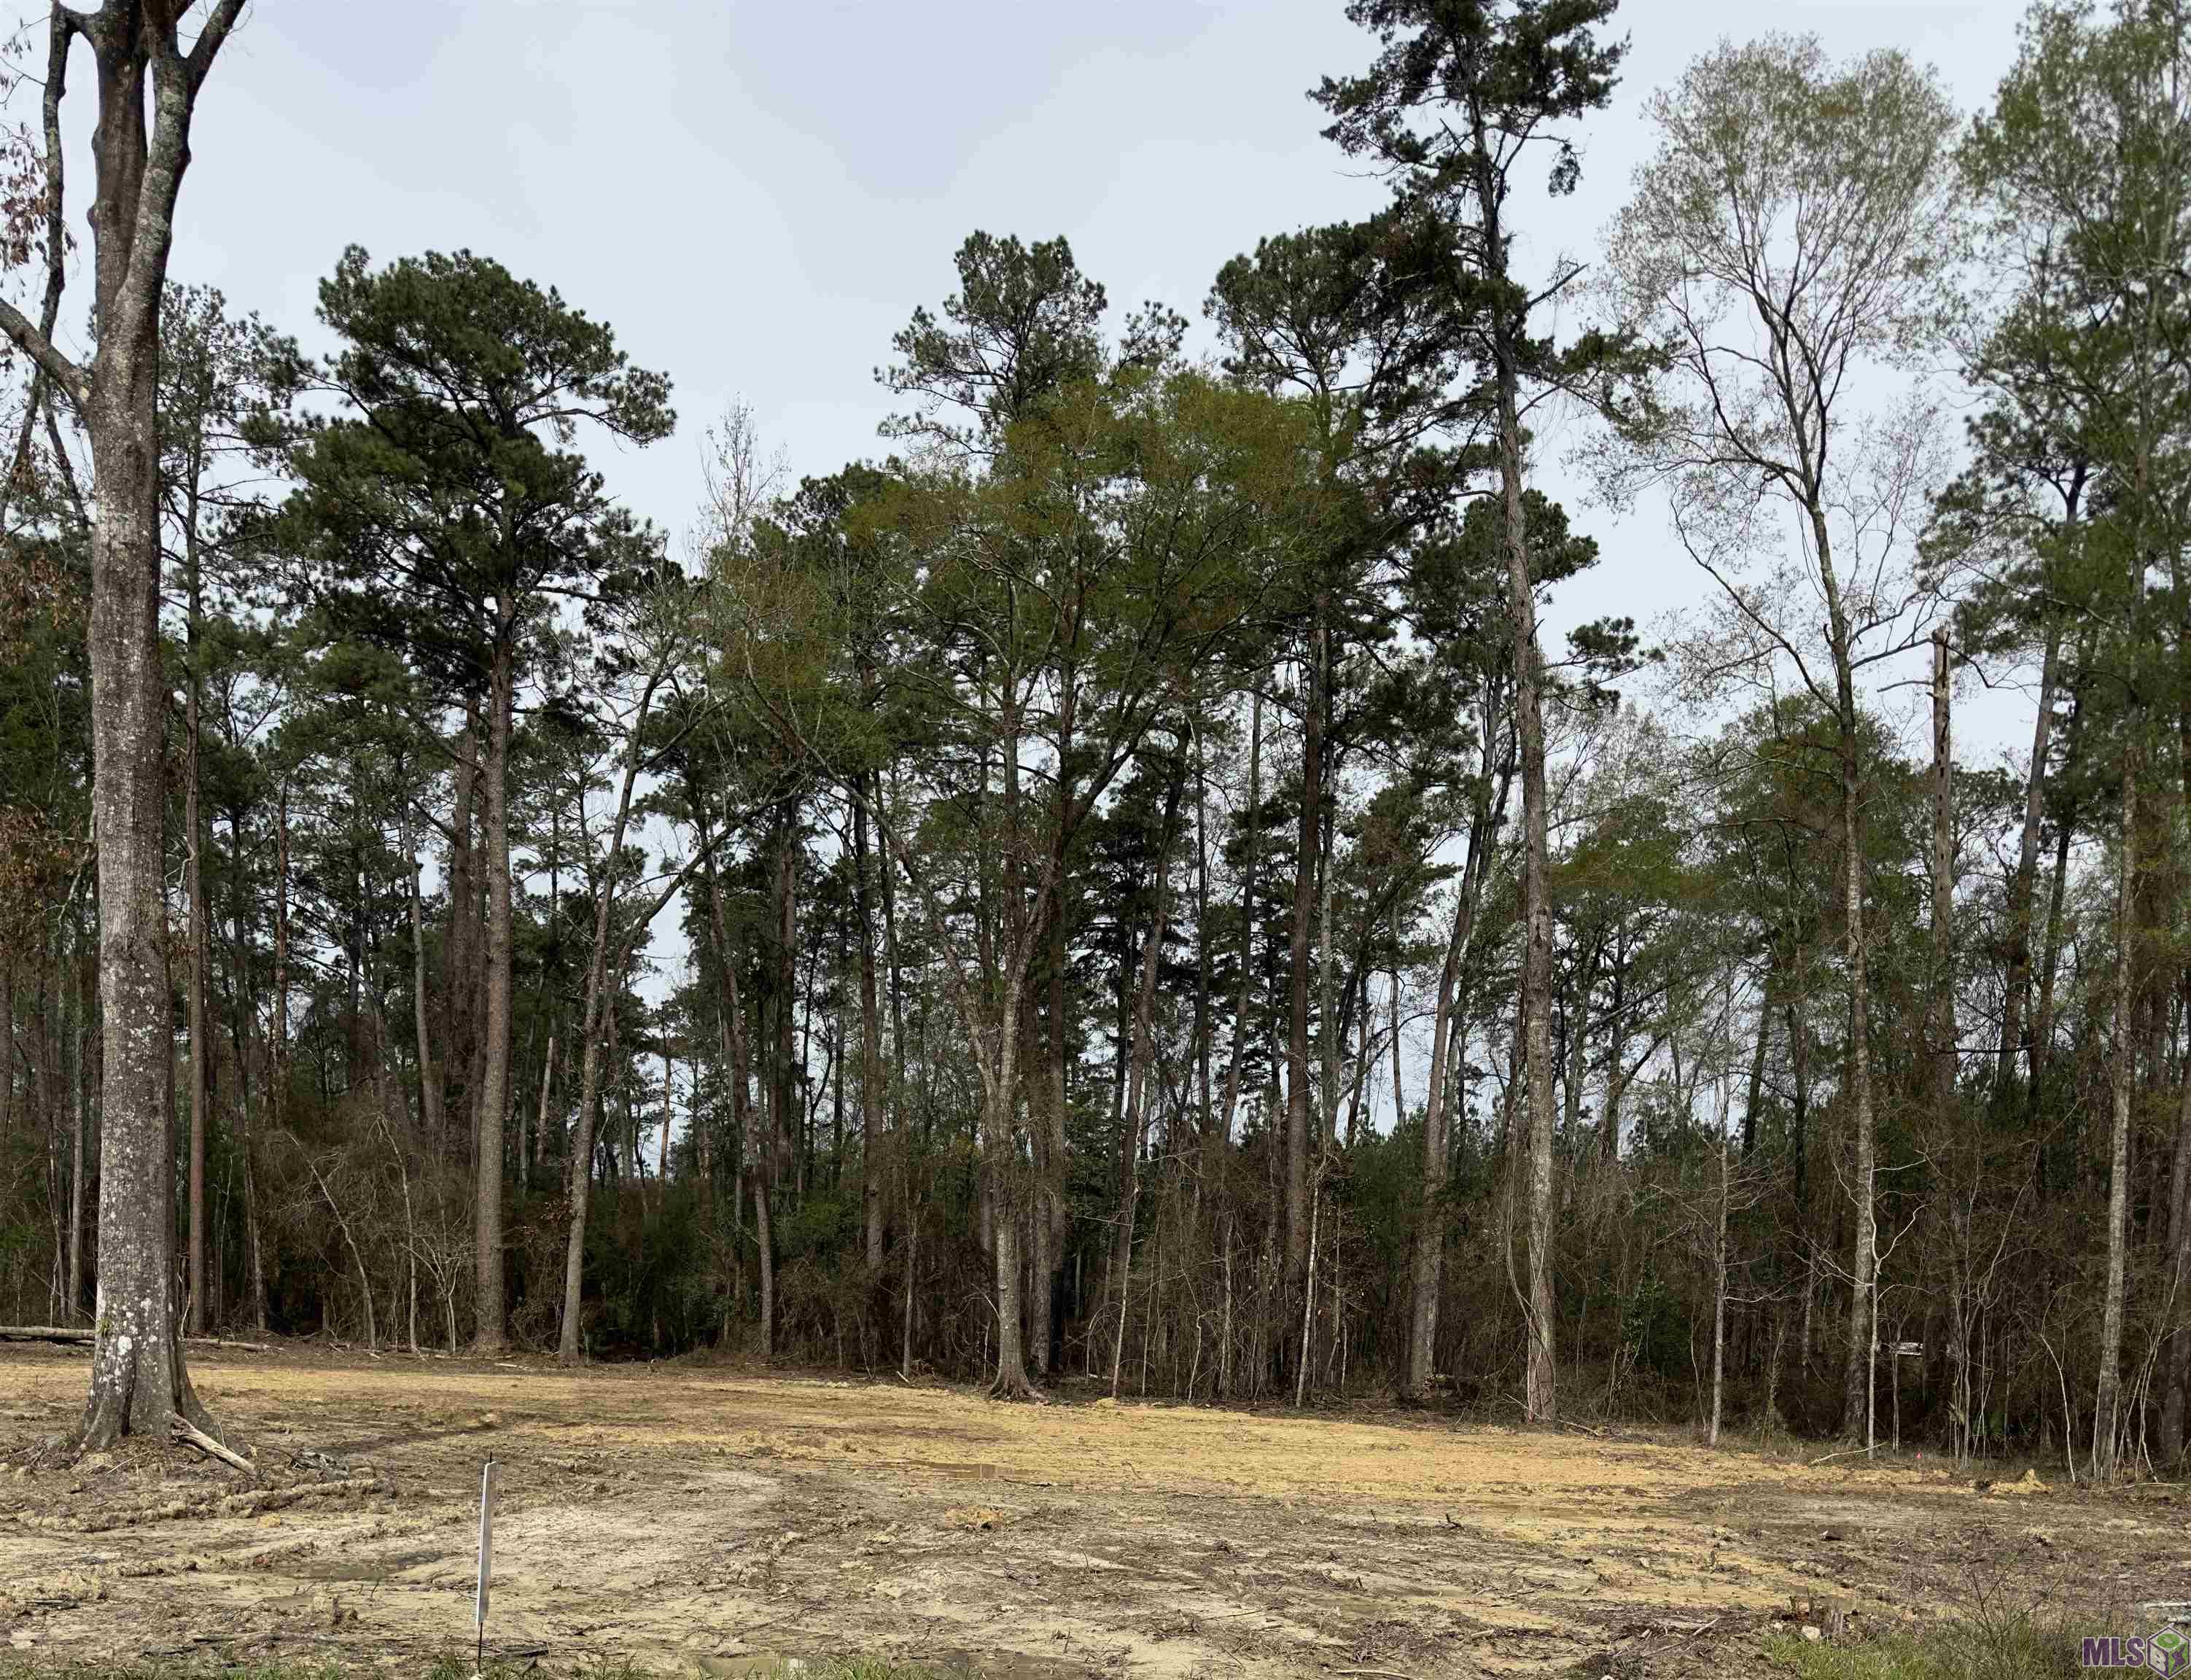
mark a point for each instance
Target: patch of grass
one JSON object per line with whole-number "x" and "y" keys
{"x": 1949, "y": 1651}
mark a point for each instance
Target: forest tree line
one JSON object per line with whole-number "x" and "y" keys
{"x": 1120, "y": 889}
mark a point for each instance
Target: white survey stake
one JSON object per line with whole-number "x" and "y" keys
{"x": 486, "y": 1552}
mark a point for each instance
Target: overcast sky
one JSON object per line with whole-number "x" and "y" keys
{"x": 757, "y": 195}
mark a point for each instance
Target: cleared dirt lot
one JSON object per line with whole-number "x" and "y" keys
{"x": 697, "y": 1518}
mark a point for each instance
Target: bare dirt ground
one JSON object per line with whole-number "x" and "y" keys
{"x": 701, "y": 1519}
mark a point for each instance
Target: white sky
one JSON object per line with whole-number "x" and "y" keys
{"x": 756, "y": 196}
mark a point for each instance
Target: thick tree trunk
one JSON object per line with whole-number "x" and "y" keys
{"x": 493, "y": 1095}
{"x": 138, "y": 1384}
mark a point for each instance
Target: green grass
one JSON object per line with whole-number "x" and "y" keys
{"x": 1952, "y": 1651}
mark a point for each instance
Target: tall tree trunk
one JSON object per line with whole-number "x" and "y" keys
{"x": 1429, "y": 1256}
{"x": 1577, "y": 1023}
{"x": 785, "y": 1063}
{"x": 1133, "y": 1134}
{"x": 540, "y": 1115}
{"x": 494, "y": 1094}
{"x": 1540, "y": 1400}
{"x": 1719, "y": 1279}
{"x": 1392, "y": 1027}
{"x": 1750, "y": 1108}
{"x": 2042, "y": 1015}
{"x": 2017, "y": 983}
{"x": 139, "y": 1384}
{"x": 80, "y": 1107}
{"x": 2122, "y": 1071}
{"x": 1331, "y": 1028}
{"x": 194, "y": 890}
{"x": 668, "y": 1112}
{"x": 245, "y": 1007}
{"x": 1798, "y": 1020}
{"x": 731, "y": 1024}
{"x": 463, "y": 952}
{"x": 1000, "y": 1144}
{"x": 579, "y": 1175}
{"x": 2176, "y": 1367}
{"x": 1238, "y": 1064}
{"x": 430, "y": 1070}
{"x": 1856, "y": 1374}
{"x": 1945, "y": 1055}
{"x": 2176, "y": 1386}
{"x": 277, "y": 1047}
{"x": 1308, "y": 838}
{"x": 1447, "y": 1043}
{"x": 1053, "y": 1214}
{"x": 871, "y": 1048}
{"x": 1203, "y": 1023}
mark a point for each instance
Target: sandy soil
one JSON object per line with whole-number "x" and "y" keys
{"x": 703, "y": 1520}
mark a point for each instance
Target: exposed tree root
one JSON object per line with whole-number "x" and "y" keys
{"x": 191, "y": 1436}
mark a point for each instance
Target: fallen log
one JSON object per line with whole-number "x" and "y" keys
{"x": 70, "y": 1335}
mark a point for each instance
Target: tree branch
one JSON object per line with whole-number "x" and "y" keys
{"x": 26, "y": 338}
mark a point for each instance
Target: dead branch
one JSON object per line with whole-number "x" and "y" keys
{"x": 191, "y": 1436}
